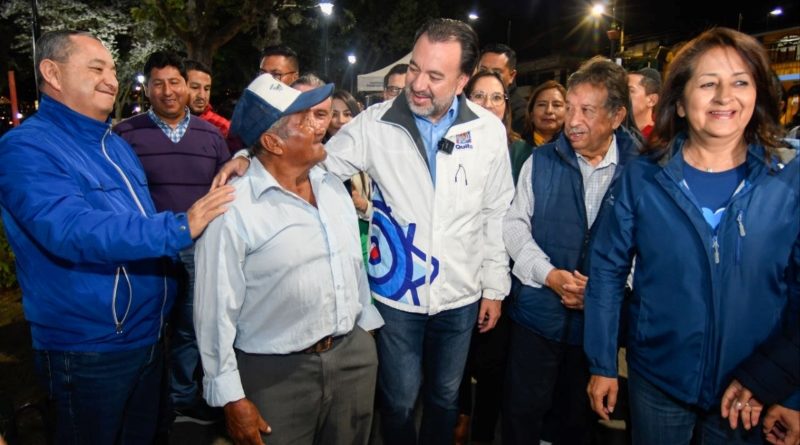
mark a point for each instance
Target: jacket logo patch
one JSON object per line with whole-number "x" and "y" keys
{"x": 464, "y": 141}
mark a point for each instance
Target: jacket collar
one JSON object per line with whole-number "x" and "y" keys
{"x": 627, "y": 148}
{"x": 672, "y": 161}
{"x": 71, "y": 122}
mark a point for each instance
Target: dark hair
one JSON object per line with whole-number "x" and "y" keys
{"x": 499, "y": 48}
{"x": 349, "y": 100}
{"x": 599, "y": 71}
{"x": 651, "y": 80}
{"x": 281, "y": 50}
{"x": 763, "y": 126}
{"x": 512, "y": 135}
{"x": 194, "y": 65}
{"x": 56, "y": 46}
{"x": 544, "y": 86}
{"x": 162, "y": 59}
{"x": 400, "y": 68}
{"x": 445, "y": 30}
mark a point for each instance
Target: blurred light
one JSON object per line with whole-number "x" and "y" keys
{"x": 19, "y": 115}
{"x": 137, "y": 88}
{"x": 473, "y": 16}
{"x": 137, "y": 109}
{"x": 351, "y": 58}
{"x": 776, "y": 12}
{"x": 598, "y": 10}
{"x": 326, "y": 7}
{"x": 140, "y": 78}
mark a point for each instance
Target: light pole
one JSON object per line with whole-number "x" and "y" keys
{"x": 616, "y": 31}
{"x": 140, "y": 88}
{"x": 351, "y": 59}
{"x": 327, "y": 10}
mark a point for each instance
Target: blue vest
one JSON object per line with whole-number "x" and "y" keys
{"x": 561, "y": 230}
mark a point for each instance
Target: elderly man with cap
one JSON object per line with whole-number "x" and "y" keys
{"x": 282, "y": 301}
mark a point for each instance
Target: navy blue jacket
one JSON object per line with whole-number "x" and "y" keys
{"x": 561, "y": 230}
{"x": 702, "y": 302}
{"x": 92, "y": 254}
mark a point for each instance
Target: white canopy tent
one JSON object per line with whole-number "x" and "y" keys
{"x": 373, "y": 81}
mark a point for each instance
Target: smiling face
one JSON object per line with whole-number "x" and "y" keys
{"x": 166, "y": 89}
{"x": 199, "y": 84}
{"x": 589, "y": 124}
{"x": 341, "y": 116}
{"x": 719, "y": 99}
{"x": 434, "y": 77}
{"x": 548, "y": 112}
{"x": 86, "y": 82}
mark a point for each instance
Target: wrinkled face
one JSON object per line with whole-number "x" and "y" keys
{"x": 321, "y": 114}
{"x": 498, "y": 62}
{"x": 168, "y": 95}
{"x": 280, "y": 67}
{"x": 341, "y": 116}
{"x": 588, "y": 123}
{"x": 548, "y": 112}
{"x": 199, "y": 84}
{"x": 434, "y": 77}
{"x": 488, "y": 93}
{"x": 301, "y": 147}
{"x": 87, "y": 81}
{"x": 720, "y": 97}
{"x": 394, "y": 86}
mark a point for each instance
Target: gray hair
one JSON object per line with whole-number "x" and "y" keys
{"x": 56, "y": 46}
{"x": 309, "y": 80}
{"x": 277, "y": 128}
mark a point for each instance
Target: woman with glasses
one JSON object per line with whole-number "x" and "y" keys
{"x": 487, "y": 355}
{"x": 545, "y": 119}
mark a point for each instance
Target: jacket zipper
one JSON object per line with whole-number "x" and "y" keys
{"x": 742, "y": 234}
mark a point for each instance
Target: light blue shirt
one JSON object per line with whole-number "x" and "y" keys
{"x": 275, "y": 275}
{"x": 433, "y": 132}
{"x": 174, "y": 134}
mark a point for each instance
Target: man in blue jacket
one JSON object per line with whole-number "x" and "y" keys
{"x": 93, "y": 257}
{"x": 547, "y": 232}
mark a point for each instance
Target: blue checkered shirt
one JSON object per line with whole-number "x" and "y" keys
{"x": 174, "y": 134}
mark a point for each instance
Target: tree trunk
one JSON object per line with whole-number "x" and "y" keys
{"x": 273, "y": 30}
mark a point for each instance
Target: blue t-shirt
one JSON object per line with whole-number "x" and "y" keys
{"x": 713, "y": 190}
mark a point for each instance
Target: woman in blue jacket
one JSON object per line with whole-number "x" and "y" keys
{"x": 711, "y": 213}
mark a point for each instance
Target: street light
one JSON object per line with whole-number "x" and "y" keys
{"x": 327, "y": 10}
{"x": 598, "y": 10}
{"x": 615, "y": 31}
{"x": 776, "y": 12}
{"x": 326, "y": 7}
{"x": 140, "y": 78}
{"x": 351, "y": 59}
{"x": 473, "y": 16}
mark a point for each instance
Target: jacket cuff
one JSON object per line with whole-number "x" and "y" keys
{"x": 182, "y": 234}
{"x": 603, "y": 372}
{"x": 491, "y": 294}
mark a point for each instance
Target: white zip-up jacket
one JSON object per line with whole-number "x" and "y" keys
{"x": 431, "y": 249}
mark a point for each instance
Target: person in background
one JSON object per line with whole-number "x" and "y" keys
{"x": 487, "y": 354}
{"x": 502, "y": 60}
{"x": 544, "y": 121}
{"x": 344, "y": 109}
{"x": 711, "y": 212}
{"x": 644, "y": 86}
{"x": 281, "y": 63}
{"x": 394, "y": 81}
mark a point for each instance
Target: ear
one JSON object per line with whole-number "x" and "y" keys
{"x": 271, "y": 143}
{"x": 462, "y": 82}
{"x": 51, "y": 73}
{"x": 618, "y": 117}
{"x": 679, "y": 109}
{"x": 652, "y": 100}
{"x": 513, "y": 75}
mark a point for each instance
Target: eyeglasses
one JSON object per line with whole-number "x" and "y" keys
{"x": 480, "y": 97}
{"x": 393, "y": 91}
{"x": 277, "y": 74}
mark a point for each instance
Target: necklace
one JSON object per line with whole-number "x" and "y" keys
{"x": 690, "y": 158}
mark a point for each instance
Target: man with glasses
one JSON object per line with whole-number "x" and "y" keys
{"x": 394, "y": 81}
{"x": 281, "y": 63}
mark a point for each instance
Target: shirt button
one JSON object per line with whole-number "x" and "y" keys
{"x": 182, "y": 228}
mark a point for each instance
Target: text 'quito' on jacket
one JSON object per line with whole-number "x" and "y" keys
{"x": 433, "y": 248}
{"x": 92, "y": 255}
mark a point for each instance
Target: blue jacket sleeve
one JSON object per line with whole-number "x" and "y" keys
{"x": 611, "y": 256}
{"x": 48, "y": 204}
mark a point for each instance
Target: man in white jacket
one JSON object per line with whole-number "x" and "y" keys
{"x": 437, "y": 263}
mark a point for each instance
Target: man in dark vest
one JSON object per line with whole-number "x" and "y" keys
{"x": 180, "y": 154}
{"x": 547, "y": 232}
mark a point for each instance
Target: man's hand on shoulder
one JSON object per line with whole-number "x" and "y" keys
{"x": 245, "y": 423}
{"x": 205, "y": 209}
{"x": 236, "y": 166}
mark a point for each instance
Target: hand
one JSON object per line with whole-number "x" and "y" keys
{"x": 205, "y": 209}
{"x": 488, "y": 314}
{"x": 569, "y": 286}
{"x": 738, "y": 401}
{"x": 235, "y": 167}
{"x": 782, "y": 425}
{"x": 245, "y": 423}
{"x": 603, "y": 388}
{"x": 358, "y": 201}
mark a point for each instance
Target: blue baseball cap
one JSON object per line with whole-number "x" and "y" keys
{"x": 265, "y": 101}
